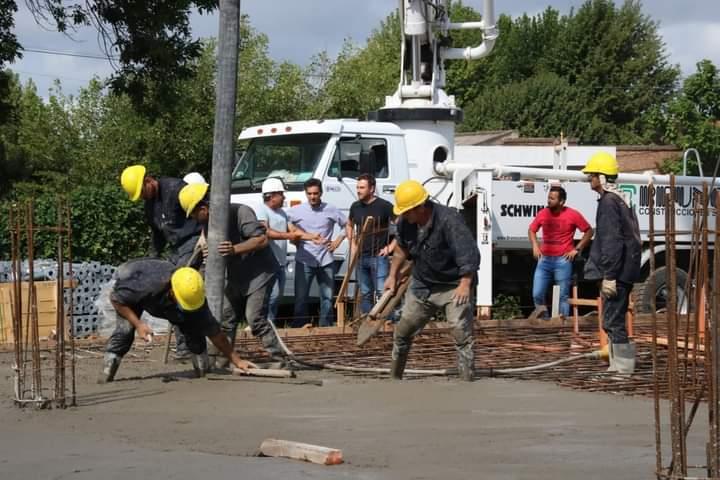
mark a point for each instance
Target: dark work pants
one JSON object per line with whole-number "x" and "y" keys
{"x": 614, "y": 310}
{"x": 122, "y": 338}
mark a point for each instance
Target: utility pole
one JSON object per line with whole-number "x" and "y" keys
{"x": 223, "y": 150}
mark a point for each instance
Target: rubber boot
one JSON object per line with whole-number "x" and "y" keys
{"x": 398, "y": 366}
{"x": 466, "y": 371}
{"x": 201, "y": 364}
{"x": 111, "y": 363}
{"x": 624, "y": 354}
{"x": 611, "y": 358}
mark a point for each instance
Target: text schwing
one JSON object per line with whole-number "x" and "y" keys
{"x": 515, "y": 206}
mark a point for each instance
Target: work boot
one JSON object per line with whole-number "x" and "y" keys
{"x": 539, "y": 312}
{"x": 624, "y": 354}
{"x": 201, "y": 364}
{"x": 611, "y": 358}
{"x": 398, "y": 366}
{"x": 466, "y": 370}
{"x": 111, "y": 363}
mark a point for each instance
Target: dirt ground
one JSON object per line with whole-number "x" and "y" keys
{"x": 151, "y": 425}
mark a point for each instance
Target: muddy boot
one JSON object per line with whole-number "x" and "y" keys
{"x": 201, "y": 364}
{"x": 611, "y": 358}
{"x": 466, "y": 370}
{"x": 111, "y": 363}
{"x": 624, "y": 354}
{"x": 398, "y": 366}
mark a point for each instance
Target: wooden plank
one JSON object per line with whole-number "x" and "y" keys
{"x": 265, "y": 372}
{"x": 272, "y": 447}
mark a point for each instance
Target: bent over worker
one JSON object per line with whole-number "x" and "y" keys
{"x": 445, "y": 263}
{"x": 614, "y": 257}
{"x": 251, "y": 267}
{"x": 171, "y": 230}
{"x": 176, "y": 294}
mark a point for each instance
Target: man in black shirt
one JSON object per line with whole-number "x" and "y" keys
{"x": 176, "y": 294}
{"x": 171, "y": 229}
{"x": 372, "y": 264}
{"x": 445, "y": 263}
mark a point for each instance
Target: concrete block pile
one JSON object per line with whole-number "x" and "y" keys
{"x": 90, "y": 277}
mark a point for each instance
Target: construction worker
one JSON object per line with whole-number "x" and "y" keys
{"x": 279, "y": 231}
{"x": 445, "y": 263}
{"x": 251, "y": 268}
{"x": 177, "y": 294}
{"x": 558, "y": 250}
{"x": 168, "y": 223}
{"x": 614, "y": 257}
{"x": 378, "y": 244}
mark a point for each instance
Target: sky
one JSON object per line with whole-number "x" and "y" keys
{"x": 298, "y": 29}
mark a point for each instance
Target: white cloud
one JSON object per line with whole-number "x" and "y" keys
{"x": 688, "y": 43}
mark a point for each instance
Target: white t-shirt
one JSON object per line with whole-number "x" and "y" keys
{"x": 278, "y": 221}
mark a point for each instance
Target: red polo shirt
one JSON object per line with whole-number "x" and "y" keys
{"x": 558, "y": 230}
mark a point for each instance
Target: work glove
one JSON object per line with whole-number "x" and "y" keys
{"x": 608, "y": 288}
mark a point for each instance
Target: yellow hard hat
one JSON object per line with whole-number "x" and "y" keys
{"x": 408, "y": 195}
{"x": 190, "y": 196}
{"x": 189, "y": 289}
{"x": 132, "y": 181}
{"x": 602, "y": 162}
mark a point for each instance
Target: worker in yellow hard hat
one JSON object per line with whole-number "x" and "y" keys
{"x": 614, "y": 256}
{"x": 172, "y": 232}
{"x": 177, "y": 294}
{"x": 445, "y": 262}
{"x": 251, "y": 268}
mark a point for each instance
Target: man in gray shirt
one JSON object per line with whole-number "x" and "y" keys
{"x": 251, "y": 267}
{"x": 314, "y": 260}
{"x": 279, "y": 231}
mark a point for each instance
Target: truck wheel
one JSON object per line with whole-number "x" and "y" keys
{"x": 644, "y": 294}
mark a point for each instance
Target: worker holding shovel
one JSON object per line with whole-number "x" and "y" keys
{"x": 445, "y": 263}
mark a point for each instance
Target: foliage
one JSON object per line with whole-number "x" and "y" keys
{"x": 692, "y": 119}
{"x": 506, "y": 307}
{"x": 106, "y": 226}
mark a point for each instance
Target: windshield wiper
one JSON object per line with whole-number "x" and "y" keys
{"x": 245, "y": 177}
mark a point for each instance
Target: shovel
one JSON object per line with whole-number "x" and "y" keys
{"x": 370, "y": 324}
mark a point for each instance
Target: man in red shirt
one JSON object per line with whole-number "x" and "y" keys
{"x": 556, "y": 254}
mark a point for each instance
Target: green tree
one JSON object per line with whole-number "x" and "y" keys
{"x": 692, "y": 119}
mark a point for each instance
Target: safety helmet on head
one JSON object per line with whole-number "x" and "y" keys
{"x": 188, "y": 288}
{"x": 602, "y": 162}
{"x": 408, "y": 195}
{"x": 191, "y": 195}
{"x": 132, "y": 181}
{"x": 273, "y": 184}
{"x": 194, "y": 177}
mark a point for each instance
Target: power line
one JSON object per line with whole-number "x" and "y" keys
{"x": 70, "y": 54}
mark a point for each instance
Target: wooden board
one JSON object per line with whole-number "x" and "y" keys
{"x": 47, "y": 304}
{"x": 272, "y": 447}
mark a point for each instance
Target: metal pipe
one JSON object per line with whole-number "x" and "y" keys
{"x": 490, "y": 34}
{"x": 697, "y": 158}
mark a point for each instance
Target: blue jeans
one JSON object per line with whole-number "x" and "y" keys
{"x": 371, "y": 274}
{"x": 304, "y": 275}
{"x": 276, "y": 294}
{"x": 548, "y": 269}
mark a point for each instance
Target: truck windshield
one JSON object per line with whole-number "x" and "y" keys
{"x": 292, "y": 158}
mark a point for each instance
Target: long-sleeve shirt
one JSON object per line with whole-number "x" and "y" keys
{"x": 168, "y": 221}
{"x": 442, "y": 251}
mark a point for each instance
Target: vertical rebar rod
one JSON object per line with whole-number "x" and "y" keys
{"x": 68, "y": 229}
{"x": 711, "y": 354}
{"x": 32, "y": 305}
{"x": 675, "y": 390}
{"x": 653, "y": 314}
{"x": 15, "y": 239}
{"x": 60, "y": 320}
